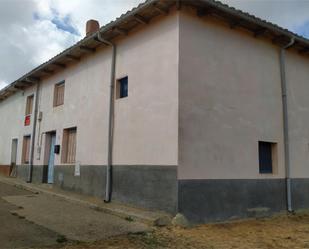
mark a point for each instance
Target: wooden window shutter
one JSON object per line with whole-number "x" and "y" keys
{"x": 26, "y": 150}
{"x": 29, "y": 105}
{"x": 59, "y": 94}
{"x": 69, "y": 146}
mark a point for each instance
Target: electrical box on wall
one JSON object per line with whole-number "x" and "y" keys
{"x": 40, "y": 116}
{"x": 57, "y": 149}
{"x": 38, "y": 153}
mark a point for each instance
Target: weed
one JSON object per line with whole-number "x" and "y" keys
{"x": 129, "y": 218}
{"x": 61, "y": 239}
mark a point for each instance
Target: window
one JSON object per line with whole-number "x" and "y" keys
{"x": 69, "y": 145}
{"x": 59, "y": 94}
{"x": 122, "y": 88}
{"x": 29, "y": 105}
{"x": 267, "y": 157}
{"x": 26, "y": 149}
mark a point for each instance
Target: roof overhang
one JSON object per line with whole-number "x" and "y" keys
{"x": 142, "y": 15}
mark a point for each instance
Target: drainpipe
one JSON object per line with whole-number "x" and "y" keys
{"x": 33, "y": 132}
{"x": 286, "y": 125}
{"x": 108, "y": 188}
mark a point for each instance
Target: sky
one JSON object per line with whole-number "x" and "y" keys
{"x": 33, "y": 31}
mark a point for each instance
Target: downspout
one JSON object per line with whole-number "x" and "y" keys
{"x": 30, "y": 170}
{"x": 108, "y": 188}
{"x": 286, "y": 125}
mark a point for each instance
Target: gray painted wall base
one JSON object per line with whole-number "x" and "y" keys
{"x": 152, "y": 187}
{"x": 39, "y": 173}
{"x": 90, "y": 182}
{"x": 22, "y": 172}
{"x": 203, "y": 201}
{"x": 300, "y": 193}
{"x": 157, "y": 188}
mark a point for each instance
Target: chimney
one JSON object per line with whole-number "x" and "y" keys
{"x": 92, "y": 26}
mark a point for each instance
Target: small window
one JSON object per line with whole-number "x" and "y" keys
{"x": 59, "y": 94}
{"x": 267, "y": 157}
{"x": 69, "y": 145}
{"x": 122, "y": 88}
{"x": 29, "y": 105}
{"x": 26, "y": 150}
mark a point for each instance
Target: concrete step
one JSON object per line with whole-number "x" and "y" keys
{"x": 126, "y": 212}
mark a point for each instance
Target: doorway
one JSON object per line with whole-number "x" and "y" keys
{"x": 13, "y": 157}
{"x": 50, "y": 155}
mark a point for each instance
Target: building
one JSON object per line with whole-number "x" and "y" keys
{"x": 182, "y": 106}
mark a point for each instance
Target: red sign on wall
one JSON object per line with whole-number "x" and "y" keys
{"x": 27, "y": 120}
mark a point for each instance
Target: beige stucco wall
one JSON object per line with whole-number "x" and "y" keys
{"x": 12, "y": 117}
{"x": 145, "y": 123}
{"x": 297, "y": 76}
{"x": 230, "y": 98}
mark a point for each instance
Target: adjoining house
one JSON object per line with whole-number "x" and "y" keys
{"x": 182, "y": 106}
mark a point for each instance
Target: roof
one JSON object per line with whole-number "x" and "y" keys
{"x": 142, "y": 15}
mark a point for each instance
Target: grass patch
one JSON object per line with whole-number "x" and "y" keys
{"x": 129, "y": 218}
{"x": 61, "y": 239}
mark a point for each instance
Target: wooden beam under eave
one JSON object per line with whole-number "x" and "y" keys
{"x": 32, "y": 79}
{"x": 72, "y": 57}
{"x": 234, "y": 24}
{"x": 12, "y": 89}
{"x": 27, "y": 83}
{"x": 20, "y": 87}
{"x": 21, "y": 84}
{"x": 120, "y": 31}
{"x": 278, "y": 39}
{"x": 201, "y": 12}
{"x": 259, "y": 32}
{"x": 47, "y": 71}
{"x": 303, "y": 50}
{"x": 141, "y": 19}
{"x": 178, "y": 4}
{"x": 161, "y": 9}
{"x": 59, "y": 64}
{"x": 87, "y": 49}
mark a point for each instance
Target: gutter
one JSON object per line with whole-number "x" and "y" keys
{"x": 35, "y": 114}
{"x": 286, "y": 125}
{"x": 108, "y": 188}
{"x": 69, "y": 51}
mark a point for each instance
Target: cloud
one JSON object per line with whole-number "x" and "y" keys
{"x": 303, "y": 29}
{"x": 2, "y": 84}
{"x": 62, "y": 22}
{"x": 289, "y": 14}
{"x": 33, "y": 31}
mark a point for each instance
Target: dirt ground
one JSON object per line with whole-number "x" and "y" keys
{"x": 282, "y": 231}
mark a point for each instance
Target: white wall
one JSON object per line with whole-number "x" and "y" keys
{"x": 145, "y": 123}
{"x": 297, "y": 76}
{"x": 230, "y": 98}
{"x": 12, "y": 117}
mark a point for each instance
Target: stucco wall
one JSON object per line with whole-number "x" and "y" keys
{"x": 12, "y": 117}
{"x": 230, "y": 98}
{"x": 145, "y": 122}
{"x": 297, "y": 76}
